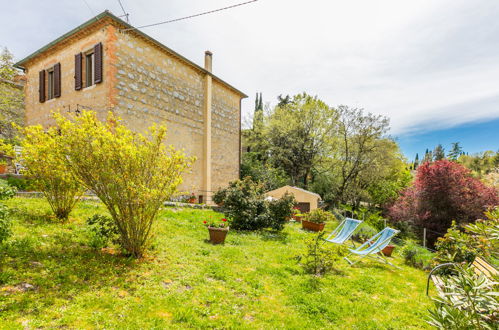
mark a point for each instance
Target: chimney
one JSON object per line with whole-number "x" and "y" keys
{"x": 208, "y": 58}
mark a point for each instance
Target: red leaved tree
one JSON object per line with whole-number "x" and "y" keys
{"x": 443, "y": 191}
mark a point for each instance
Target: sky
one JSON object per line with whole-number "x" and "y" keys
{"x": 431, "y": 66}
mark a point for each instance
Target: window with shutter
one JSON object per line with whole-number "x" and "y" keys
{"x": 50, "y": 83}
{"x": 41, "y": 86}
{"x": 98, "y": 63}
{"x": 78, "y": 75}
{"x": 57, "y": 80}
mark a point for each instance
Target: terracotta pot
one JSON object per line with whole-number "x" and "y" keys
{"x": 312, "y": 225}
{"x": 217, "y": 235}
{"x": 387, "y": 251}
{"x": 297, "y": 218}
{"x": 191, "y": 200}
{"x": 3, "y": 168}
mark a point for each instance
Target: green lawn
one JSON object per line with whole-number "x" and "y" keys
{"x": 253, "y": 281}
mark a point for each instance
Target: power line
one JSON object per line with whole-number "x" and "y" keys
{"x": 191, "y": 16}
{"x": 90, "y": 8}
{"x": 124, "y": 12}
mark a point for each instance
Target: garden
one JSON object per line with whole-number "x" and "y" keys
{"x": 103, "y": 245}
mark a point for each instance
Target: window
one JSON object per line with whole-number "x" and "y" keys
{"x": 89, "y": 69}
{"x": 50, "y": 83}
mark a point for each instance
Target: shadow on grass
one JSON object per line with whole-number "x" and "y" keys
{"x": 55, "y": 268}
{"x": 33, "y": 217}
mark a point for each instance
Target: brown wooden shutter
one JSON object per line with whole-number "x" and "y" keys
{"x": 98, "y": 63}
{"x": 41, "y": 86}
{"x": 78, "y": 80}
{"x": 57, "y": 80}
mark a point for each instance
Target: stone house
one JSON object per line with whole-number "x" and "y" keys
{"x": 106, "y": 65}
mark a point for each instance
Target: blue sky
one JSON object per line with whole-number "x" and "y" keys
{"x": 473, "y": 138}
{"x": 431, "y": 66}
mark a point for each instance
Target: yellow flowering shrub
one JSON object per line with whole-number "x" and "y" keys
{"x": 133, "y": 175}
{"x": 43, "y": 160}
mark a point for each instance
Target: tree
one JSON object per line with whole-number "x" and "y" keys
{"x": 428, "y": 156}
{"x": 258, "y": 113}
{"x": 283, "y": 100}
{"x": 455, "y": 151}
{"x": 269, "y": 177}
{"x": 298, "y": 136}
{"x": 43, "y": 160}
{"x": 416, "y": 161}
{"x": 443, "y": 191}
{"x": 132, "y": 175}
{"x": 356, "y": 146}
{"x": 11, "y": 97}
{"x": 438, "y": 153}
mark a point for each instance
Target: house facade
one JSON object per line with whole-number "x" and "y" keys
{"x": 106, "y": 65}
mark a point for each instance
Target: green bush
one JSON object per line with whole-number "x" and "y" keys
{"x": 319, "y": 216}
{"x": 468, "y": 302}
{"x": 22, "y": 184}
{"x": 319, "y": 258}
{"x": 416, "y": 255}
{"x": 245, "y": 205}
{"x": 101, "y": 230}
{"x": 5, "y": 224}
{"x": 364, "y": 232}
{"x": 6, "y": 191}
{"x": 456, "y": 246}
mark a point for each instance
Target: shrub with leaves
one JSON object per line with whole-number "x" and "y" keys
{"x": 456, "y": 246}
{"x": 132, "y": 174}
{"x": 320, "y": 257}
{"x": 443, "y": 191}
{"x": 43, "y": 161}
{"x": 245, "y": 205}
{"x": 416, "y": 255}
{"x": 319, "y": 216}
{"x": 470, "y": 301}
{"x": 101, "y": 230}
{"x": 364, "y": 232}
{"x": 6, "y": 190}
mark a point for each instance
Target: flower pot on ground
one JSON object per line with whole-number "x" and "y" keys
{"x": 316, "y": 220}
{"x": 217, "y": 235}
{"x": 218, "y": 230}
{"x": 313, "y": 226}
{"x": 387, "y": 251}
{"x": 3, "y": 168}
{"x": 298, "y": 217}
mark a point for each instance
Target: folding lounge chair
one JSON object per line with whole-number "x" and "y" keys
{"x": 373, "y": 246}
{"x": 344, "y": 231}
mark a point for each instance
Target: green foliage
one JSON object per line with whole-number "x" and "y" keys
{"x": 245, "y": 205}
{"x": 319, "y": 216}
{"x": 132, "y": 174}
{"x": 43, "y": 158}
{"x": 469, "y": 301}
{"x": 455, "y": 246}
{"x": 364, "y": 232}
{"x": 6, "y": 190}
{"x": 320, "y": 257}
{"x": 271, "y": 178}
{"x": 5, "y": 223}
{"x": 416, "y": 255}
{"x": 101, "y": 231}
{"x": 22, "y": 184}
{"x": 7, "y": 70}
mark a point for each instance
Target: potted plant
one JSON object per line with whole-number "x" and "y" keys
{"x": 297, "y": 215}
{"x": 218, "y": 230}
{"x": 316, "y": 220}
{"x": 3, "y": 166}
{"x": 387, "y": 251}
{"x": 191, "y": 199}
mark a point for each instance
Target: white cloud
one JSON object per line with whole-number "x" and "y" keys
{"x": 426, "y": 64}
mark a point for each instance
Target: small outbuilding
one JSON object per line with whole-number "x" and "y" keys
{"x": 306, "y": 200}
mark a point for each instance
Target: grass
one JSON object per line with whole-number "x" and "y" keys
{"x": 253, "y": 281}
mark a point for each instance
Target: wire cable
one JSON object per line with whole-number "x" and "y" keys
{"x": 191, "y": 16}
{"x": 90, "y": 8}
{"x": 124, "y": 12}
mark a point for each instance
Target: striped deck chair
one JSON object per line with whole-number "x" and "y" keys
{"x": 344, "y": 231}
{"x": 373, "y": 246}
